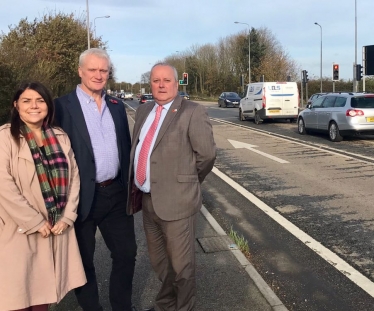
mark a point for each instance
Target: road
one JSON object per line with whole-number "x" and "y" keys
{"x": 303, "y": 203}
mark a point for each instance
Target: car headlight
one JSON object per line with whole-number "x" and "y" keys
{"x": 229, "y": 101}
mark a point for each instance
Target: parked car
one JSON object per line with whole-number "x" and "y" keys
{"x": 314, "y": 97}
{"x": 228, "y": 99}
{"x": 145, "y": 98}
{"x": 339, "y": 114}
{"x": 128, "y": 95}
{"x": 184, "y": 95}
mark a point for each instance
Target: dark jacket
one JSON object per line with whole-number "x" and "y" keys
{"x": 69, "y": 116}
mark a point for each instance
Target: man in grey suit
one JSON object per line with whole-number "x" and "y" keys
{"x": 172, "y": 152}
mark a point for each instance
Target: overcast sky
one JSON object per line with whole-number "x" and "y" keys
{"x": 142, "y": 32}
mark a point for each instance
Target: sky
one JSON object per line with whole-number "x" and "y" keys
{"x": 140, "y": 33}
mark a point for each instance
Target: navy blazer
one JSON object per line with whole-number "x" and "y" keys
{"x": 69, "y": 116}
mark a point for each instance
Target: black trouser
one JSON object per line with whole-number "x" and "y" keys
{"x": 108, "y": 212}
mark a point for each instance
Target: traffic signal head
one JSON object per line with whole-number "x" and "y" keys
{"x": 305, "y": 76}
{"x": 335, "y": 72}
{"x": 185, "y": 78}
{"x": 358, "y": 72}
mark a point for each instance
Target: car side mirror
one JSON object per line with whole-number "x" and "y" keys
{"x": 309, "y": 106}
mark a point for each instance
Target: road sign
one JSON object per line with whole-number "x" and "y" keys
{"x": 368, "y": 60}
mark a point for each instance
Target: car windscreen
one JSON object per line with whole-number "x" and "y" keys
{"x": 362, "y": 102}
{"x": 232, "y": 95}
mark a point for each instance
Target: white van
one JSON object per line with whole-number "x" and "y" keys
{"x": 270, "y": 100}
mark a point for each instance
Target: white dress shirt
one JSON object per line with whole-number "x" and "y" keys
{"x": 146, "y": 187}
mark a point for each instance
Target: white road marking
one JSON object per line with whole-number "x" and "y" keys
{"x": 348, "y": 155}
{"x": 338, "y": 263}
{"x": 238, "y": 144}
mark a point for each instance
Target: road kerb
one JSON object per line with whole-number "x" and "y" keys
{"x": 262, "y": 286}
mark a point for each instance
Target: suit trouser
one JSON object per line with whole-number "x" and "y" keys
{"x": 108, "y": 212}
{"x": 171, "y": 246}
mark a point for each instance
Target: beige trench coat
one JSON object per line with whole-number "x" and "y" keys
{"x": 34, "y": 270}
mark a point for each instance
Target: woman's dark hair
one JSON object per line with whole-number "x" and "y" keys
{"x": 15, "y": 120}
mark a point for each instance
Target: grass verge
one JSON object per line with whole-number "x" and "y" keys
{"x": 240, "y": 241}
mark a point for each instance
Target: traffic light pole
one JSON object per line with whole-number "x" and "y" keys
{"x": 302, "y": 90}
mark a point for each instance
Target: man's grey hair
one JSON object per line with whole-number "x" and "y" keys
{"x": 97, "y": 52}
{"x": 166, "y": 64}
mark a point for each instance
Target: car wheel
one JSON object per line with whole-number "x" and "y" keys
{"x": 301, "y": 126}
{"x": 241, "y": 115}
{"x": 219, "y": 104}
{"x": 334, "y": 132}
{"x": 257, "y": 119}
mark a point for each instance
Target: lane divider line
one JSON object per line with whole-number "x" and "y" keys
{"x": 347, "y": 270}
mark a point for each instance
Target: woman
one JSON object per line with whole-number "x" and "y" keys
{"x": 39, "y": 255}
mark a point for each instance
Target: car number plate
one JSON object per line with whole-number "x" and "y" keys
{"x": 272, "y": 111}
{"x": 370, "y": 119}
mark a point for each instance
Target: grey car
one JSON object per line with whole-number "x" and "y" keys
{"x": 339, "y": 115}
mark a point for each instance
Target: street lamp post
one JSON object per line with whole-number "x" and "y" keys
{"x": 88, "y": 26}
{"x": 320, "y": 72}
{"x": 106, "y": 16}
{"x": 249, "y": 50}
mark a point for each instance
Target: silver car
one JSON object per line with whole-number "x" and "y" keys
{"x": 339, "y": 114}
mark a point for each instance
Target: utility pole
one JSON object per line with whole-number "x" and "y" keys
{"x": 88, "y": 26}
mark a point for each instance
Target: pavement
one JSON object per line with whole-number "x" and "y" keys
{"x": 226, "y": 281}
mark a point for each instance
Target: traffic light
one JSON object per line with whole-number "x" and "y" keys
{"x": 358, "y": 72}
{"x": 185, "y": 78}
{"x": 335, "y": 72}
{"x": 305, "y": 76}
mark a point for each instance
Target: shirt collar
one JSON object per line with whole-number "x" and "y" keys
{"x": 89, "y": 98}
{"x": 166, "y": 106}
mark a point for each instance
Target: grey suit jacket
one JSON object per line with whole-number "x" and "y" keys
{"x": 183, "y": 154}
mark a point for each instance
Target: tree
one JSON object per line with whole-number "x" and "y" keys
{"x": 47, "y": 50}
{"x": 213, "y": 69}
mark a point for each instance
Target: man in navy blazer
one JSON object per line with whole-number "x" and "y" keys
{"x": 99, "y": 133}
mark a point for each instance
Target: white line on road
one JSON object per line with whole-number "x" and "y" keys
{"x": 342, "y": 266}
{"x": 238, "y": 144}
{"x": 348, "y": 155}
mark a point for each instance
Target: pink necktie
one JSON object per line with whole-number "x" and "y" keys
{"x": 144, "y": 151}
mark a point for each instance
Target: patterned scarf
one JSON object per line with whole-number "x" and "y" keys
{"x": 52, "y": 172}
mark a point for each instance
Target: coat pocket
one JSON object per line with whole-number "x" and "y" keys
{"x": 188, "y": 178}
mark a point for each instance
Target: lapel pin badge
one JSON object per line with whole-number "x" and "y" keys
{"x": 175, "y": 110}
{"x": 113, "y": 101}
